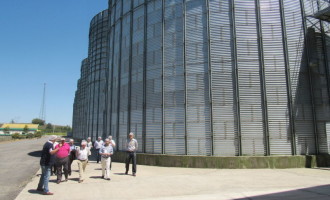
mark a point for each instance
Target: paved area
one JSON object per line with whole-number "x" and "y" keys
{"x": 164, "y": 183}
{"x": 19, "y": 161}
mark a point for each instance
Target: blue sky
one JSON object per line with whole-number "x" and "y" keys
{"x": 42, "y": 41}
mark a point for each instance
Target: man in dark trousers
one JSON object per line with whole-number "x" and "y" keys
{"x": 46, "y": 161}
{"x": 131, "y": 148}
{"x": 62, "y": 160}
{"x": 72, "y": 155}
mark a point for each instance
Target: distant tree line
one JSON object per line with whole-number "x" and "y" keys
{"x": 50, "y": 128}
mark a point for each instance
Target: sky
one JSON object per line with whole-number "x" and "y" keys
{"x": 42, "y": 41}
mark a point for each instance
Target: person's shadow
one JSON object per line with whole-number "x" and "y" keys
{"x": 119, "y": 173}
{"x": 34, "y": 191}
{"x": 95, "y": 177}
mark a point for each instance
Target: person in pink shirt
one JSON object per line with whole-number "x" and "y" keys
{"x": 62, "y": 160}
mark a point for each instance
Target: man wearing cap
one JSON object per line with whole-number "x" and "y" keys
{"x": 82, "y": 158}
{"x": 106, "y": 151}
{"x": 72, "y": 155}
{"x": 131, "y": 148}
{"x": 97, "y": 146}
{"x": 62, "y": 160}
{"x": 46, "y": 162}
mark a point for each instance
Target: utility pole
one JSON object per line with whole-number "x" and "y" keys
{"x": 42, "y": 114}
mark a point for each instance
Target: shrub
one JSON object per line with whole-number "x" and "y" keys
{"x": 22, "y": 137}
{"x": 38, "y": 134}
{"x": 15, "y": 136}
{"x": 30, "y": 135}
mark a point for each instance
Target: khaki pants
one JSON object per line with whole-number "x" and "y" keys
{"x": 82, "y": 166}
{"x": 105, "y": 162}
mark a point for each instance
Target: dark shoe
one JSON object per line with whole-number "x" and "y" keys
{"x": 40, "y": 190}
{"x": 134, "y": 174}
{"x": 47, "y": 193}
{"x": 126, "y": 173}
{"x": 58, "y": 181}
{"x": 80, "y": 181}
{"x": 102, "y": 176}
{"x": 108, "y": 179}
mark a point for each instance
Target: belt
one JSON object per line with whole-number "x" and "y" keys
{"x": 82, "y": 160}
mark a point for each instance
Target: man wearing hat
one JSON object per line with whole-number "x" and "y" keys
{"x": 62, "y": 160}
{"x": 46, "y": 162}
{"x": 82, "y": 157}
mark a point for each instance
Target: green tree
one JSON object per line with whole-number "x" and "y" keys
{"x": 49, "y": 127}
{"x": 38, "y": 134}
{"x": 25, "y": 129}
{"x": 6, "y": 130}
{"x": 38, "y": 121}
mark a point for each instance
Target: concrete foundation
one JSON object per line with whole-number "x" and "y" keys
{"x": 244, "y": 162}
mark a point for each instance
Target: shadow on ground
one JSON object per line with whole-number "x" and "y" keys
{"x": 96, "y": 177}
{"x": 34, "y": 191}
{"x": 319, "y": 193}
{"x": 35, "y": 153}
{"x": 119, "y": 173}
{"x": 74, "y": 179}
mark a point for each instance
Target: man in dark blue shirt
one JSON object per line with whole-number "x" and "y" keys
{"x": 46, "y": 162}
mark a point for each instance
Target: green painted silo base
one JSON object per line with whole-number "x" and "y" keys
{"x": 244, "y": 162}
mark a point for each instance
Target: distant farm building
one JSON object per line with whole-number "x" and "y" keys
{"x": 19, "y": 128}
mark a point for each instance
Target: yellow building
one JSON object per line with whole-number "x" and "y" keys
{"x": 18, "y": 128}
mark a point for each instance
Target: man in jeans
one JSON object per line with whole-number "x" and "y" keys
{"x": 106, "y": 151}
{"x": 131, "y": 148}
{"x": 46, "y": 162}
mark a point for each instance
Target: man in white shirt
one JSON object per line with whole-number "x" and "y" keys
{"x": 131, "y": 148}
{"x": 82, "y": 158}
{"x": 72, "y": 155}
{"x": 113, "y": 144}
{"x": 53, "y": 168}
{"x": 97, "y": 146}
{"x": 90, "y": 146}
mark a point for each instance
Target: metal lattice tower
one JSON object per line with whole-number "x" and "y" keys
{"x": 42, "y": 114}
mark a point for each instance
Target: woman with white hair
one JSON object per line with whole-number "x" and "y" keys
{"x": 82, "y": 158}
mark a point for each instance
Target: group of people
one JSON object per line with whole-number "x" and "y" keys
{"x": 58, "y": 154}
